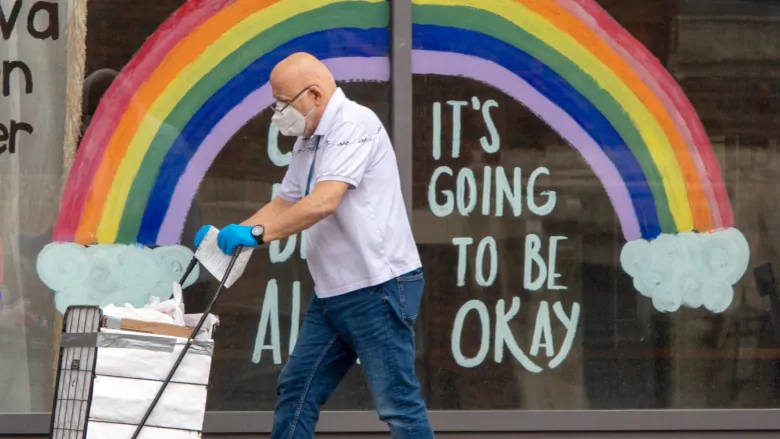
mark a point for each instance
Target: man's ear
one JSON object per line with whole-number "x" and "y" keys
{"x": 318, "y": 94}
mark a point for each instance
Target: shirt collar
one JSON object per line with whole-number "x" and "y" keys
{"x": 334, "y": 105}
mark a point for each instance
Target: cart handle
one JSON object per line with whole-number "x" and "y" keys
{"x": 195, "y": 331}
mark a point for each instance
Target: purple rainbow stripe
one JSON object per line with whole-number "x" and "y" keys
{"x": 377, "y": 69}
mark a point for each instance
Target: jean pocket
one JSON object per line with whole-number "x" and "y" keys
{"x": 410, "y": 291}
{"x": 412, "y": 276}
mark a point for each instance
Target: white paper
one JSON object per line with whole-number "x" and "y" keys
{"x": 103, "y": 430}
{"x": 153, "y": 365}
{"x": 216, "y": 262}
{"x": 142, "y": 314}
{"x": 125, "y": 400}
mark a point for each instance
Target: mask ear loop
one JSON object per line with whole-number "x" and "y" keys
{"x": 306, "y": 117}
{"x": 310, "y": 112}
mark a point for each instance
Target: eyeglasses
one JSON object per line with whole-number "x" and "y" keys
{"x": 275, "y": 105}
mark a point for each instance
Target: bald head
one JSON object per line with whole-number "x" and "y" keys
{"x": 301, "y": 70}
{"x": 306, "y": 82}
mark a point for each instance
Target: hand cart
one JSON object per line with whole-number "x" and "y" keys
{"x": 78, "y": 359}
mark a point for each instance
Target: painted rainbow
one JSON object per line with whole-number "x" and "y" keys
{"x": 204, "y": 74}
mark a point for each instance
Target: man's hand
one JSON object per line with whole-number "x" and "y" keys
{"x": 234, "y": 235}
{"x": 200, "y": 235}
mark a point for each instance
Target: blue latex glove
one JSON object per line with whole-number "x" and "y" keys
{"x": 201, "y": 234}
{"x": 234, "y": 235}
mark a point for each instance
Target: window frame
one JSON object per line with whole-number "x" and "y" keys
{"x": 474, "y": 421}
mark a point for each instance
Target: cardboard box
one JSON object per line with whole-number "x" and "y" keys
{"x": 147, "y": 327}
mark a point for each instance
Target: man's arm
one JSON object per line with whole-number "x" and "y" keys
{"x": 343, "y": 161}
{"x": 318, "y": 205}
{"x": 273, "y": 209}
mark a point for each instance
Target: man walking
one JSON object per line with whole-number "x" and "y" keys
{"x": 342, "y": 185}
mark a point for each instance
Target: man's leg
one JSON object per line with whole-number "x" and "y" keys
{"x": 318, "y": 363}
{"x": 377, "y": 323}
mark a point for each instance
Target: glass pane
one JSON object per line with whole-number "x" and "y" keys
{"x": 33, "y": 72}
{"x": 224, "y": 121}
{"x": 559, "y": 171}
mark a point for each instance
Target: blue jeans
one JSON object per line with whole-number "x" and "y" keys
{"x": 374, "y": 324}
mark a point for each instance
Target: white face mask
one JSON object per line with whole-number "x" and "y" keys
{"x": 290, "y": 121}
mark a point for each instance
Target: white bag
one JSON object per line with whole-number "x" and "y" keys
{"x": 129, "y": 370}
{"x": 173, "y": 307}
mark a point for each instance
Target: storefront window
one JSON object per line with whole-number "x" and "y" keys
{"x": 529, "y": 182}
{"x": 593, "y": 191}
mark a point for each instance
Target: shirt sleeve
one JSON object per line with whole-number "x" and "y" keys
{"x": 346, "y": 154}
{"x": 290, "y": 190}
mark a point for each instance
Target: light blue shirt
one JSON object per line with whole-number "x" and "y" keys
{"x": 368, "y": 240}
